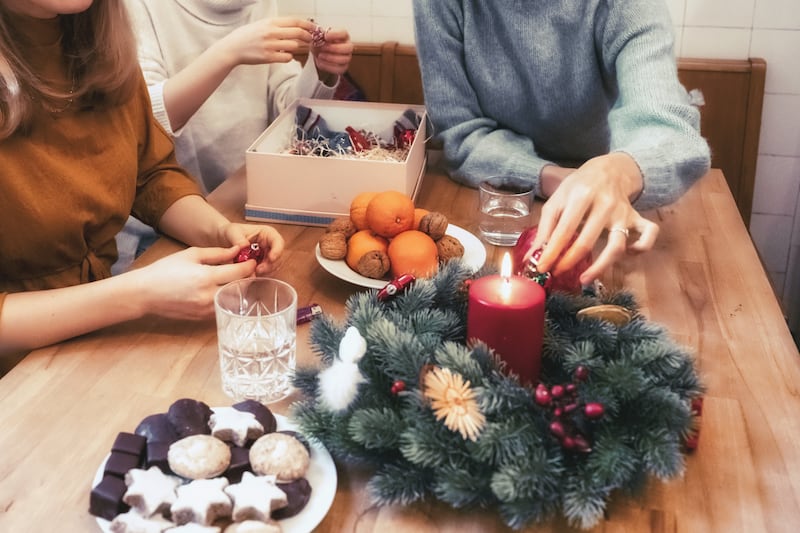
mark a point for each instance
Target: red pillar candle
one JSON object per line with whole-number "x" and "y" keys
{"x": 507, "y": 313}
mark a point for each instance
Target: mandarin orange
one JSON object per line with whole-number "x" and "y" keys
{"x": 390, "y": 213}
{"x": 362, "y": 242}
{"x": 413, "y": 252}
{"x": 358, "y": 208}
{"x": 419, "y": 212}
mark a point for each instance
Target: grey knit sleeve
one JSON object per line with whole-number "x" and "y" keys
{"x": 652, "y": 119}
{"x": 475, "y": 146}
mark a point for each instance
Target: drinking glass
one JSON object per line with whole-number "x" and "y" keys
{"x": 505, "y": 207}
{"x": 257, "y": 336}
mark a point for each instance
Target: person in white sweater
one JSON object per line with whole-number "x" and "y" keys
{"x": 219, "y": 72}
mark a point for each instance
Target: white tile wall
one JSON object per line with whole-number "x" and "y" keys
{"x": 726, "y": 29}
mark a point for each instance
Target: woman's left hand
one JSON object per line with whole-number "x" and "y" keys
{"x": 593, "y": 198}
{"x": 267, "y": 237}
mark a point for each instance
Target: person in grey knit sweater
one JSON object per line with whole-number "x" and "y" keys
{"x": 581, "y": 97}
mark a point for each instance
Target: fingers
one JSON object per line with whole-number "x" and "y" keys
{"x": 648, "y": 233}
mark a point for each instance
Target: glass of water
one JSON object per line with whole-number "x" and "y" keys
{"x": 257, "y": 336}
{"x": 505, "y": 209}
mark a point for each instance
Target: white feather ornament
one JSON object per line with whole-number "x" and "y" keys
{"x": 339, "y": 382}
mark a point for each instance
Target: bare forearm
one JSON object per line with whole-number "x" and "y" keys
{"x": 193, "y": 221}
{"x": 187, "y": 90}
{"x": 38, "y": 318}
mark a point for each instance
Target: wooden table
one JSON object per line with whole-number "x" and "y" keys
{"x": 61, "y": 408}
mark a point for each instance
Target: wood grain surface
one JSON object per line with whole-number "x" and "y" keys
{"x": 61, "y": 408}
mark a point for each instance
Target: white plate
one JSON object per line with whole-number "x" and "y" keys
{"x": 321, "y": 475}
{"x": 474, "y": 257}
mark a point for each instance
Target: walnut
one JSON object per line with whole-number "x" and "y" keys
{"x": 449, "y": 248}
{"x": 434, "y": 224}
{"x": 374, "y": 264}
{"x": 333, "y": 245}
{"x": 342, "y": 225}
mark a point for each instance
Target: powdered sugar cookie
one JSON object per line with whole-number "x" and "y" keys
{"x": 232, "y": 425}
{"x": 133, "y": 522}
{"x": 202, "y": 501}
{"x": 150, "y": 491}
{"x": 279, "y": 455}
{"x": 255, "y": 497}
{"x": 199, "y": 457}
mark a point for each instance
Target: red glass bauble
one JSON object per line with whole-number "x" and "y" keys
{"x": 568, "y": 281}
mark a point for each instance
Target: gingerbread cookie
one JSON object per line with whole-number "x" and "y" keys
{"x": 199, "y": 457}
{"x": 189, "y": 417}
{"x": 279, "y": 455}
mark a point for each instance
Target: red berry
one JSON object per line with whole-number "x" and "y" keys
{"x": 568, "y": 442}
{"x": 571, "y": 389}
{"x": 557, "y": 429}
{"x": 581, "y": 444}
{"x": 557, "y": 391}
{"x": 558, "y": 412}
{"x": 542, "y": 395}
{"x": 593, "y": 410}
{"x": 570, "y": 407}
{"x": 399, "y": 385}
{"x": 581, "y": 373}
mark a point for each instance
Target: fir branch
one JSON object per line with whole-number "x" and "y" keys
{"x": 583, "y": 503}
{"x": 378, "y": 429}
{"x": 398, "y": 484}
{"x": 536, "y": 474}
{"x": 519, "y": 513}
{"x": 612, "y": 462}
{"x": 472, "y": 364}
{"x": 661, "y": 453}
{"x": 325, "y": 337}
{"x": 305, "y": 380}
{"x": 504, "y": 441}
{"x": 463, "y": 484}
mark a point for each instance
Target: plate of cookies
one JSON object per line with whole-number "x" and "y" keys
{"x": 197, "y": 468}
{"x": 459, "y": 243}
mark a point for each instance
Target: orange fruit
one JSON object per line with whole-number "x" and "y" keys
{"x": 358, "y": 209}
{"x": 413, "y": 252}
{"x": 389, "y": 213}
{"x": 360, "y": 243}
{"x": 418, "y": 214}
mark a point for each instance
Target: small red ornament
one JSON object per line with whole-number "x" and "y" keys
{"x": 593, "y": 410}
{"x": 542, "y": 395}
{"x": 395, "y": 287}
{"x": 253, "y": 251}
{"x": 357, "y": 139}
{"x": 557, "y": 429}
{"x": 398, "y": 387}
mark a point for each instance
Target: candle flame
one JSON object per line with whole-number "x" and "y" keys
{"x": 505, "y": 266}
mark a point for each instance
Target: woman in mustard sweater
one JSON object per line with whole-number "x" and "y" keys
{"x": 79, "y": 152}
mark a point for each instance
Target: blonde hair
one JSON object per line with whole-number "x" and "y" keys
{"x": 99, "y": 48}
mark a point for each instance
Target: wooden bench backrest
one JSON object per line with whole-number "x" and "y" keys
{"x": 730, "y": 119}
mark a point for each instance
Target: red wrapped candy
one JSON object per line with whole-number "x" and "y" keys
{"x": 253, "y": 251}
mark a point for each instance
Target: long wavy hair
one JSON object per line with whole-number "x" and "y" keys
{"x": 99, "y": 49}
